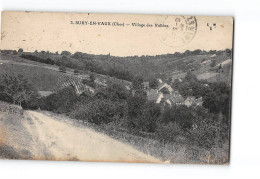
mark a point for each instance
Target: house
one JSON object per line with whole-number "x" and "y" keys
{"x": 154, "y": 95}
{"x": 176, "y": 100}
{"x": 179, "y": 79}
{"x": 199, "y": 101}
{"x": 165, "y": 88}
{"x": 160, "y": 80}
{"x": 192, "y": 101}
{"x": 128, "y": 87}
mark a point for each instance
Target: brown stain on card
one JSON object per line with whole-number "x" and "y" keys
{"x": 2, "y": 135}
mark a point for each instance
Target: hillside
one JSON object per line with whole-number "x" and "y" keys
{"x": 166, "y": 67}
{"x": 45, "y": 77}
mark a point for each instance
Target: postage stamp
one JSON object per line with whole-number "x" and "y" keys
{"x": 182, "y": 30}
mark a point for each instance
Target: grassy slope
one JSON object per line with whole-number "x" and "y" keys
{"x": 43, "y": 79}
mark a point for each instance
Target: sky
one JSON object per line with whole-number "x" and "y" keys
{"x": 60, "y": 31}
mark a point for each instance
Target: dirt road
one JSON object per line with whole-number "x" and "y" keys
{"x": 58, "y": 139}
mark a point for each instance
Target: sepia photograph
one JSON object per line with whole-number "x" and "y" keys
{"x": 116, "y": 87}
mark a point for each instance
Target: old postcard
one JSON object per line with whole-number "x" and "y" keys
{"x": 115, "y": 87}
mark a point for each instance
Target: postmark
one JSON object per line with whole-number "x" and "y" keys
{"x": 181, "y": 31}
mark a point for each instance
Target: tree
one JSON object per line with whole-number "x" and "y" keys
{"x": 135, "y": 105}
{"x": 213, "y": 64}
{"x": 15, "y": 52}
{"x": 154, "y": 83}
{"x": 138, "y": 83}
{"x": 76, "y": 72}
{"x": 190, "y": 77}
{"x": 218, "y": 98}
{"x": 20, "y": 50}
{"x": 149, "y": 117}
{"x": 62, "y": 101}
{"x": 116, "y": 92}
{"x": 16, "y": 89}
{"x": 90, "y": 81}
{"x": 49, "y": 61}
{"x": 197, "y": 52}
{"x": 62, "y": 69}
{"x": 165, "y": 91}
{"x": 92, "y": 78}
{"x": 77, "y": 55}
{"x": 182, "y": 115}
{"x": 66, "y": 53}
{"x": 99, "y": 111}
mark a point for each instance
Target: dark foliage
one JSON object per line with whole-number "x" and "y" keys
{"x": 99, "y": 111}
{"x": 61, "y": 102}
{"x": 153, "y": 83}
{"x": 138, "y": 83}
{"x": 216, "y": 96}
{"x": 17, "y": 90}
{"x": 38, "y": 59}
{"x": 115, "y": 92}
{"x": 62, "y": 69}
{"x": 20, "y": 50}
{"x": 66, "y": 53}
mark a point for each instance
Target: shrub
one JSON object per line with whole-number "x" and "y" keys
{"x": 76, "y": 72}
{"x": 116, "y": 92}
{"x": 66, "y": 53}
{"x": 182, "y": 115}
{"x": 38, "y": 59}
{"x": 62, "y": 69}
{"x": 61, "y": 102}
{"x": 148, "y": 120}
{"x": 208, "y": 133}
{"x": 16, "y": 89}
{"x": 154, "y": 83}
{"x": 99, "y": 111}
{"x": 15, "y": 52}
{"x": 213, "y": 63}
{"x": 20, "y": 50}
{"x": 135, "y": 106}
{"x": 169, "y": 132}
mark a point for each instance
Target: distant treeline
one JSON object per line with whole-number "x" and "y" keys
{"x": 38, "y": 59}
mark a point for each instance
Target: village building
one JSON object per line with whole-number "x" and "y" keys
{"x": 167, "y": 96}
{"x": 165, "y": 88}
{"x": 192, "y": 101}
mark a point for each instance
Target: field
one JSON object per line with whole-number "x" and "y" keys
{"x": 43, "y": 79}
